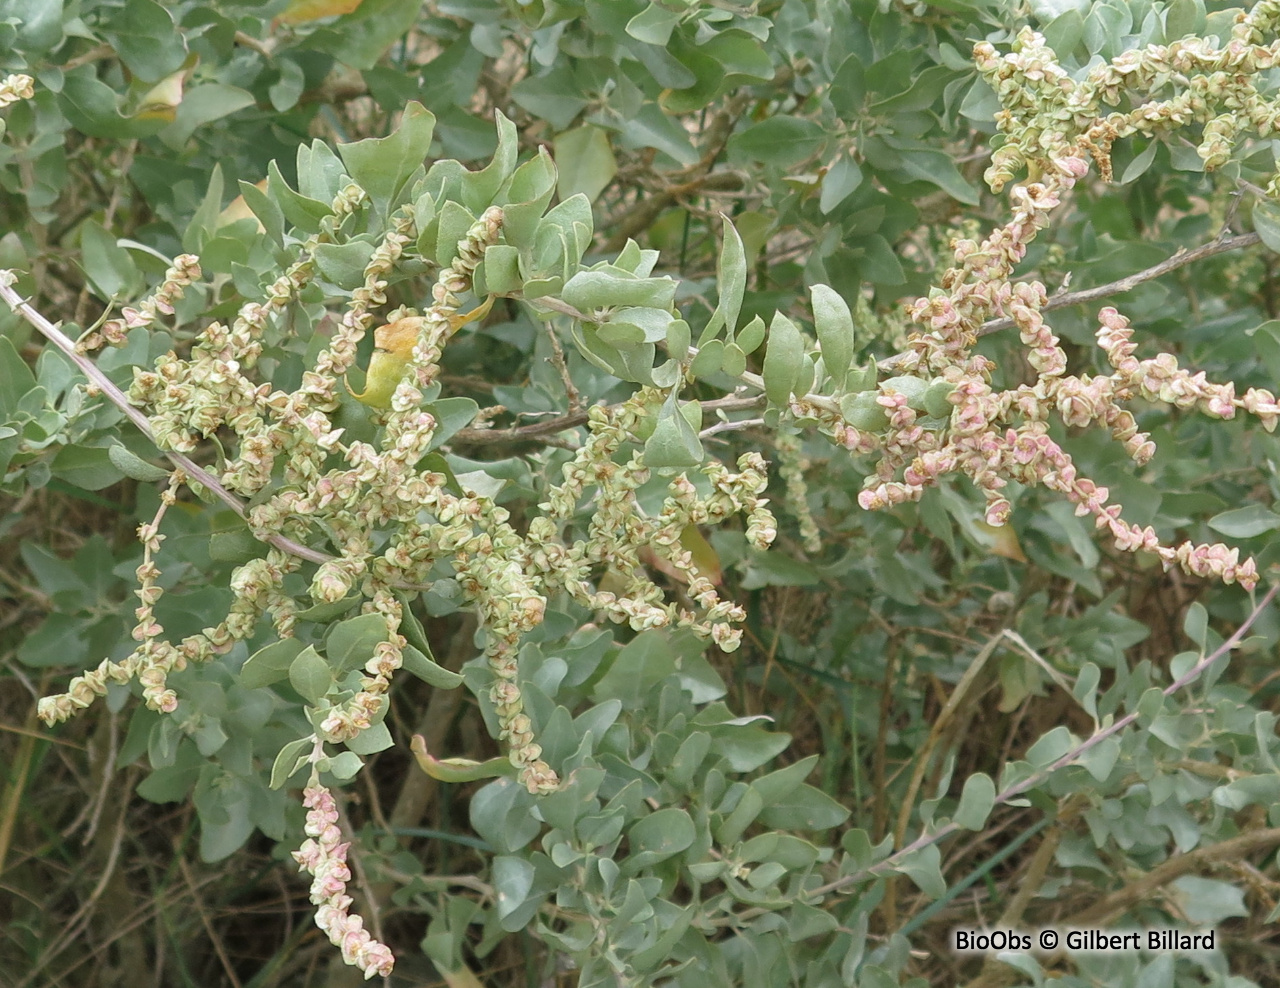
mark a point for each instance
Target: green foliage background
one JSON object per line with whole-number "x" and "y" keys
{"x": 921, "y": 654}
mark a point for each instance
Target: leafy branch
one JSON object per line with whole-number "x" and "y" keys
{"x": 1036, "y": 778}
{"x": 104, "y": 384}
{"x": 1179, "y": 259}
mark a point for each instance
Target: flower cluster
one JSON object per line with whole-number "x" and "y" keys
{"x": 378, "y": 517}
{"x": 325, "y": 859}
{"x": 355, "y": 715}
{"x": 191, "y": 399}
{"x": 1052, "y": 122}
{"x": 619, "y": 528}
{"x": 153, "y": 658}
{"x": 1046, "y": 112}
{"x": 792, "y": 464}
{"x": 16, "y": 87}
{"x": 184, "y": 270}
{"x": 994, "y": 437}
{"x": 355, "y": 496}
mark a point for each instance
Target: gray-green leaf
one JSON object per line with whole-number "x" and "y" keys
{"x": 783, "y": 360}
{"x": 309, "y": 674}
{"x": 976, "y": 802}
{"x": 834, "y": 323}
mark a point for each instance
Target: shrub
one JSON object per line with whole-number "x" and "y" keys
{"x": 384, "y": 405}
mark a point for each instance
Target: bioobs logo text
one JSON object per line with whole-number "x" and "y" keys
{"x": 1049, "y": 940}
{"x": 967, "y": 940}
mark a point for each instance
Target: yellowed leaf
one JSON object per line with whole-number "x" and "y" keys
{"x": 458, "y": 769}
{"x": 398, "y": 337}
{"x": 301, "y": 11}
{"x": 1002, "y": 540}
{"x": 706, "y": 561}
{"x": 238, "y": 210}
{"x": 394, "y": 342}
{"x": 460, "y": 319}
{"x": 161, "y": 101}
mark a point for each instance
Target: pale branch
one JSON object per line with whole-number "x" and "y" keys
{"x": 118, "y": 398}
{"x": 264, "y": 48}
{"x": 534, "y": 432}
{"x": 94, "y": 54}
{"x": 1180, "y": 258}
{"x": 1060, "y": 300}
{"x": 537, "y": 431}
{"x": 556, "y": 305}
{"x": 720, "y": 427}
{"x": 733, "y": 403}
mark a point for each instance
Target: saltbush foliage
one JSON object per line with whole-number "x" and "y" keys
{"x": 697, "y": 388}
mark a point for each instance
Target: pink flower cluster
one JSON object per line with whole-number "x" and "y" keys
{"x": 1161, "y": 379}
{"x": 997, "y": 436}
{"x": 182, "y": 273}
{"x": 326, "y": 859}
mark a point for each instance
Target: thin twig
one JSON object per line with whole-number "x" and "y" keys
{"x": 155, "y": 909}
{"x": 697, "y": 177}
{"x": 562, "y": 367}
{"x": 462, "y": 881}
{"x": 104, "y": 384}
{"x": 539, "y": 431}
{"x": 733, "y": 403}
{"x": 534, "y": 432}
{"x": 729, "y": 427}
{"x": 94, "y": 54}
{"x": 1018, "y": 788}
{"x": 42, "y": 736}
{"x": 15, "y": 787}
{"x": 118, "y": 398}
{"x": 75, "y": 926}
{"x": 564, "y": 308}
{"x": 104, "y": 785}
{"x": 1233, "y": 206}
{"x": 942, "y": 724}
{"x": 1227, "y": 850}
{"x": 264, "y": 48}
{"x": 1039, "y": 660}
{"x": 1181, "y": 258}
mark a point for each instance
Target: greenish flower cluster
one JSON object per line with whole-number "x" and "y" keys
{"x": 392, "y": 515}
{"x": 306, "y": 481}
{"x": 792, "y": 464}
{"x": 1047, "y": 114}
